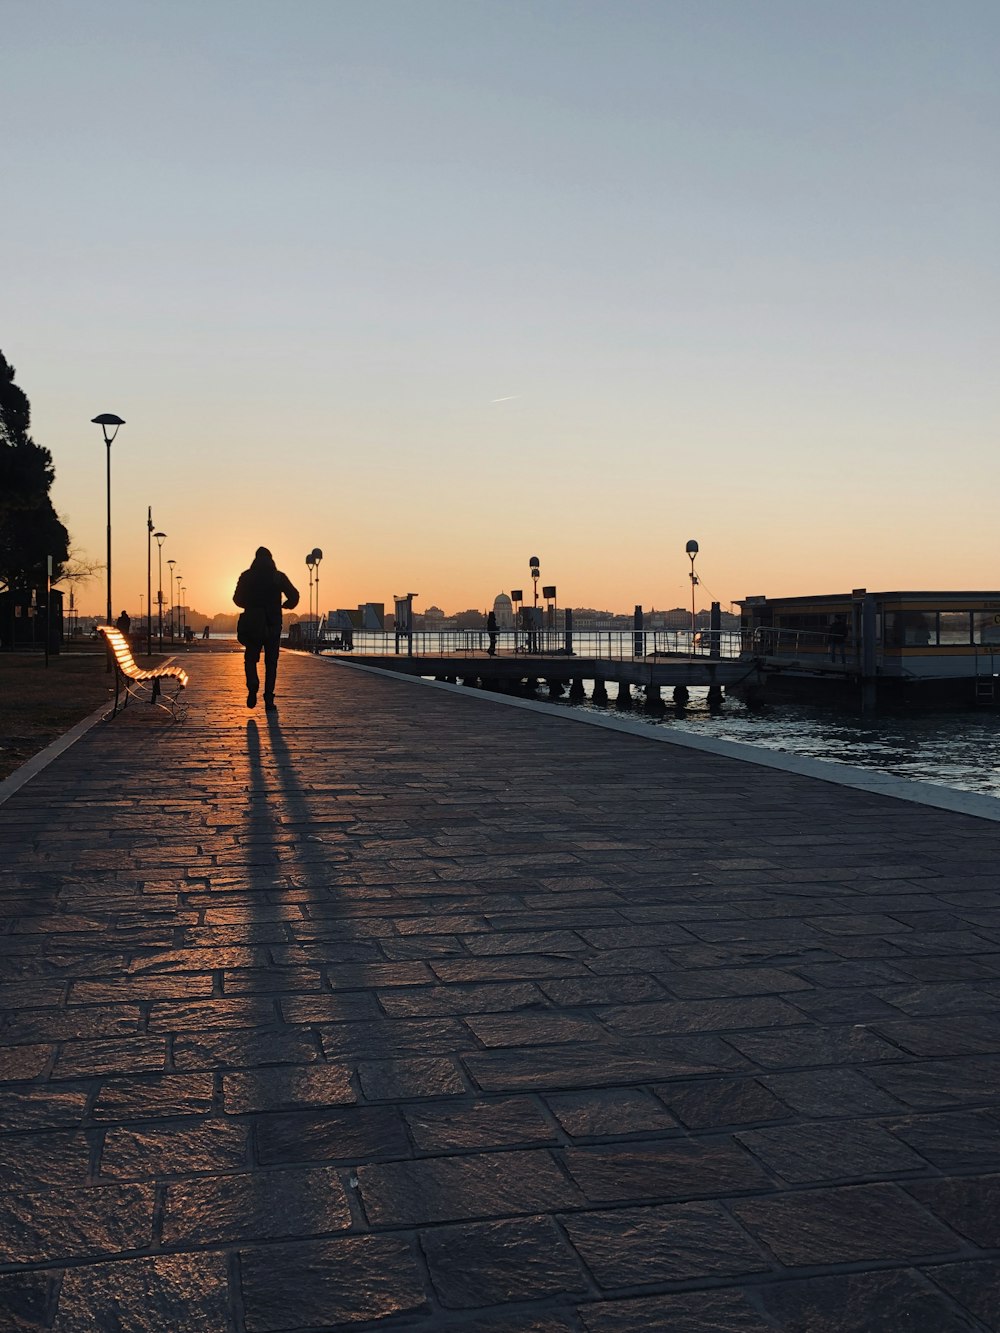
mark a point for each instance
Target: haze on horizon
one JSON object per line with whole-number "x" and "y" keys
{"x": 439, "y": 286}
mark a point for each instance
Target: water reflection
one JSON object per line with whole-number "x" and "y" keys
{"x": 960, "y": 750}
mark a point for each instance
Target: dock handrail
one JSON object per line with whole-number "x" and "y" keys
{"x": 605, "y": 645}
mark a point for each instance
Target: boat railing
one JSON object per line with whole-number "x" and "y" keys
{"x": 769, "y": 641}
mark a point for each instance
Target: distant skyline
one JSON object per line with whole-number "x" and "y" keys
{"x": 437, "y": 286}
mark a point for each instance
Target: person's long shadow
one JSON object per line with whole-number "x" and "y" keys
{"x": 292, "y": 876}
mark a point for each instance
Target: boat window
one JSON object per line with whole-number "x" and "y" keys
{"x": 912, "y": 628}
{"x": 986, "y": 627}
{"x": 955, "y": 627}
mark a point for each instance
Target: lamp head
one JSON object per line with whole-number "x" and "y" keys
{"x": 310, "y": 559}
{"x": 105, "y": 420}
{"x": 317, "y": 554}
{"x": 692, "y": 548}
{"x": 160, "y": 538}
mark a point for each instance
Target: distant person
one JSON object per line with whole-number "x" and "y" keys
{"x": 837, "y": 639}
{"x": 491, "y": 630}
{"x": 188, "y": 634}
{"x": 259, "y": 592}
{"x": 124, "y": 623}
{"x": 204, "y": 633}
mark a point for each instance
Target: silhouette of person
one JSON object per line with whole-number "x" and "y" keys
{"x": 837, "y": 638}
{"x": 204, "y": 633}
{"x": 124, "y": 623}
{"x": 491, "y": 630}
{"x": 259, "y": 591}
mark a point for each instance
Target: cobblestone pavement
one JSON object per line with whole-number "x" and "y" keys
{"x": 405, "y": 1010}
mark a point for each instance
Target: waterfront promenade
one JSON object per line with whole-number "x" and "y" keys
{"x": 404, "y": 1009}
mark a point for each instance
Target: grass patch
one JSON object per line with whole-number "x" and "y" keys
{"x": 39, "y": 703}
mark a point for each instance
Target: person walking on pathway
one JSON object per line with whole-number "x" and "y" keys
{"x": 259, "y": 591}
{"x": 491, "y": 630}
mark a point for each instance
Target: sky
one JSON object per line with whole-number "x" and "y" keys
{"x": 438, "y": 285}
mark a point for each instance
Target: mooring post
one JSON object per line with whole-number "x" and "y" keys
{"x": 715, "y": 630}
{"x": 868, "y": 624}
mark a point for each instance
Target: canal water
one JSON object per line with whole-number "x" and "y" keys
{"x": 955, "y": 749}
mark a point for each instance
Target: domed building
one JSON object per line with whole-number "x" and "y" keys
{"x": 503, "y": 609}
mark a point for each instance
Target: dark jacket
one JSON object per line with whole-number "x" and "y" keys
{"x": 261, "y": 588}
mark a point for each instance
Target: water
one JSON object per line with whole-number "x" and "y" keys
{"x": 955, "y": 749}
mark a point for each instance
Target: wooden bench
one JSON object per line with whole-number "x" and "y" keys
{"x": 130, "y": 677}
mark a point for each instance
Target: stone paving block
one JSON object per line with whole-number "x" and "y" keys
{"x": 844, "y": 1225}
{"x": 492, "y": 1263}
{"x": 631, "y": 1247}
{"x": 131, "y": 990}
{"x": 974, "y": 1285}
{"x": 955, "y": 1142}
{"x": 452, "y": 1189}
{"x": 814, "y": 1046}
{"x": 75, "y": 1223}
{"x": 433, "y": 1001}
{"x": 264, "y": 1205}
{"x": 970, "y": 1205}
{"x": 51, "y": 1159}
{"x": 610, "y": 1113}
{"x": 20, "y": 1064}
{"x": 721, "y": 1102}
{"x": 244, "y": 1048}
{"x": 180, "y": 1292}
{"x": 939, "y": 1084}
{"x": 461, "y": 1126}
{"x": 388, "y": 1038}
{"x": 286, "y": 1088}
{"x": 161, "y": 1151}
{"x": 832, "y": 1150}
{"x": 552, "y": 1069}
{"x": 580, "y": 991}
{"x": 691, "y": 1312}
{"x": 971, "y": 1034}
{"x": 664, "y": 1169}
{"x": 344, "y": 1007}
{"x": 833, "y": 1092}
{"x": 330, "y": 1284}
{"x": 336, "y": 1134}
{"x": 721, "y": 1015}
{"x": 516, "y": 967}
{"x": 25, "y": 1300}
{"x": 126, "y": 1055}
{"x": 711, "y": 982}
{"x": 884, "y": 1302}
{"x": 41, "y": 1106}
{"x": 392, "y": 1080}
{"x": 544, "y": 1028}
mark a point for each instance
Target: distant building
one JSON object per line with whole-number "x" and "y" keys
{"x": 503, "y": 609}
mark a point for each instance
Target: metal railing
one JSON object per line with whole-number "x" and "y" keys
{"x": 605, "y": 645}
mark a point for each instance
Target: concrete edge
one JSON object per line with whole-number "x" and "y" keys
{"x": 35, "y": 765}
{"x": 824, "y": 770}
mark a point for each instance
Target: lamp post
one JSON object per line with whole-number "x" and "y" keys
{"x": 183, "y": 610}
{"x": 535, "y": 572}
{"x": 310, "y": 561}
{"x": 177, "y": 605}
{"x": 317, "y": 556}
{"x": 160, "y": 537}
{"x": 170, "y": 596}
{"x": 149, "y": 580}
{"x": 107, "y": 420}
{"x": 692, "y": 551}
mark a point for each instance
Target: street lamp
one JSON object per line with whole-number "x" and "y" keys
{"x": 183, "y": 611}
{"x": 310, "y": 561}
{"x": 105, "y": 421}
{"x": 317, "y": 556}
{"x": 692, "y": 551}
{"x": 160, "y": 538}
{"x": 170, "y": 592}
{"x": 535, "y": 573}
{"x": 178, "y": 606}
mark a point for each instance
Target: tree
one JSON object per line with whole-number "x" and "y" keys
{"x": 30, "y": 529}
